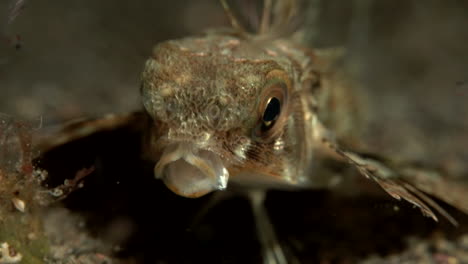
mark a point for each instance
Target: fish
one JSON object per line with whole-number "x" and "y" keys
{"x": 262, "y": 110}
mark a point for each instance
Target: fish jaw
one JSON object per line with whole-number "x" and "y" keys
{"x": 191, "y": 172}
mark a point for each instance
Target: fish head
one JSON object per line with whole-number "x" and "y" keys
{"x": 221, "y": 110}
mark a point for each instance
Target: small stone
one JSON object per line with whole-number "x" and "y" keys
{"x": 57, "y": 192}
{"x": 19, "y": 204}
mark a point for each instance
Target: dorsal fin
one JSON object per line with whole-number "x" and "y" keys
{"x": 277, "y": 19}
{"x": 235, "y": 23}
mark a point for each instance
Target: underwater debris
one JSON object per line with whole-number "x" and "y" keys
{"x": 70, "y": 243}
{"x": 8, "y": 254}
{"x": 19, "y": 204}
{"x": 25, "y": 217}
{"x": 20, "y": 186}
{"x": 437, "y": 249}
{"x": 15, "y": 145}
{"x": 69, "y": 185}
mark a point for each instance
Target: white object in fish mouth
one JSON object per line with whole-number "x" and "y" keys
{"x": 190, "y": 172}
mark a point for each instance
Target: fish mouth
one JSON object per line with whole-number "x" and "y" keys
{"x": 191, "y": 172}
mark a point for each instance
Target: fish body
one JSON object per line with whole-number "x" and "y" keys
{"x": 262, "y": 110}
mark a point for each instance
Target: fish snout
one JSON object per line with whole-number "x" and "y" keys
{"x": 191, "y": 172}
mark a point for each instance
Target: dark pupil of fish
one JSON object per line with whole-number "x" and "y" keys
{"x": 272, "y": 111}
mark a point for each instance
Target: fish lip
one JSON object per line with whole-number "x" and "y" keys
{"x": 190, "y": 171}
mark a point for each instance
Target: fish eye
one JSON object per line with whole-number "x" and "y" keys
{"x": 271, "y": 113}
{"x": 273, "y": 106}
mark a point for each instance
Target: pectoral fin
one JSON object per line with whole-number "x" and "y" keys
{"x": 401, "y": 183}
{"x": 51, "y": 137}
